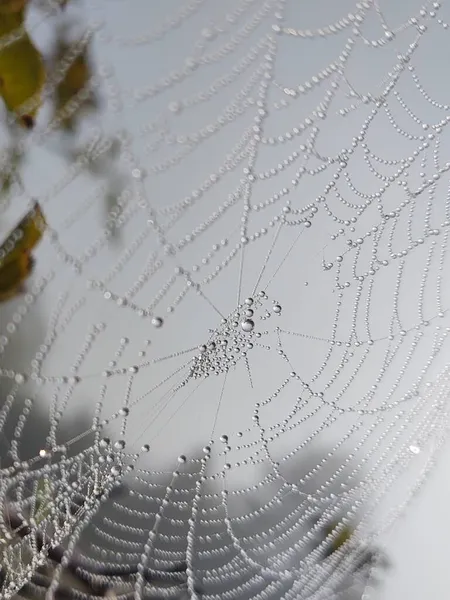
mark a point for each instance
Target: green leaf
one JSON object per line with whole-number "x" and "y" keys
{"x": 44, "y": 499}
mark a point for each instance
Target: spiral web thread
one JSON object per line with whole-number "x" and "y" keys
{"x": 277, "y": 314}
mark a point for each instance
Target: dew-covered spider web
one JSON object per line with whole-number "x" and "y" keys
{"x": 256, "y": 338}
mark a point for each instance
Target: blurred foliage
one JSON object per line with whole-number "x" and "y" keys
{"x": 10, "y": 165}
{"x": 43, "y": 495}
{"x": 73, "y": 97}
{"x": 12, "y": 6}
{"x": 22, "y": 69}
{"x": 68, "y": 71}
{"x": 16, "y": 262}
{"x": 340, "y": 534}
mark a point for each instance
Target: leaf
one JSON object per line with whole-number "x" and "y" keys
{"x": 11, "y": 22}
{"x": 25, "y": 236}
{"x": 339, "y": 539}
{"x": 9, "y": 169}
{"x": 16, "y": 262}
{"x": 75, "y": 80}
{"x": 43, "y": 501}
{"x": 12, "y": 6}
{"x": 13, "y": 275}
{"x": 22, "y": 70}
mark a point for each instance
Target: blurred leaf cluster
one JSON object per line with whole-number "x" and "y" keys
{"x": 64, "y": 79}
{"x": 16, "y": 260}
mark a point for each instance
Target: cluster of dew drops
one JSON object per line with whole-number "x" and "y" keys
{"x": 234, "y": 338}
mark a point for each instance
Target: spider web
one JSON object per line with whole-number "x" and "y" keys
{"x": 262, "y": 352}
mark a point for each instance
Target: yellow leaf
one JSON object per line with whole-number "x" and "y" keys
{"x": 25, "y": 235}
{"x": 22, "y": 70}
{"x": 78, "y": 73}
{"x": 12, "y": 6}
{"x": 13, "y": 275}
{"x": 12, "y": 20}
{"x": 16, "y": 262}
{"x": 76, "y": 79}
{"x": 339, "y": 538}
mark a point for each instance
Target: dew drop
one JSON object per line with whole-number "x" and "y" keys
{"x": 247, "y": 325}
